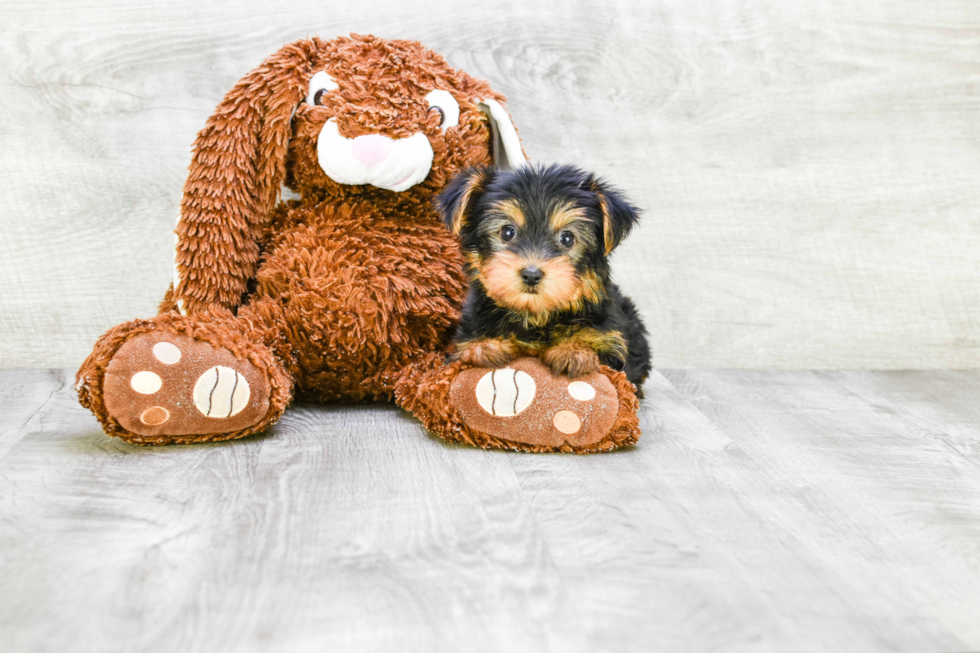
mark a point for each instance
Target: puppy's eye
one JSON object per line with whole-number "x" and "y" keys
{"x": 567, "y": 239}
{"x": 446, "y": 105}
{"x": 320, "y": 84}
{"x": 507, "y": 232}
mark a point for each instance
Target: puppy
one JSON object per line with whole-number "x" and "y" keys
{"x": 536, "y": 242}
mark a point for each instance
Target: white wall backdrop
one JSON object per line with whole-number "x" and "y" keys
{"x": 810, "y": 169}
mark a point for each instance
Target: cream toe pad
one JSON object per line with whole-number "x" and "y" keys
{"x": 145, "y": 383}
{"x": 567, "y": 422}
{"x": 167, "y": 353}
{"x": 221, "y": 392}
{"x": 581, "y": 390}
{"x": 505, "y": 392}
{"x": 155, "y": 415}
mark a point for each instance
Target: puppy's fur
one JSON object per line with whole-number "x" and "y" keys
{"x": 536, "y": 242}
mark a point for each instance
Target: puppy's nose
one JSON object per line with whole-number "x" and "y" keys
{"x": 371, "y": 149}
{"x": 531, "y": 275}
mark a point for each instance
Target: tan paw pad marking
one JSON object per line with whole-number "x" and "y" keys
{"x": 581, "y": 390}
{"x": 167, "y": 353}
{"x": 567, "y": 422}
{"x": 145, "y": 383}
{"x": 155, "y": 415}
{"x": 505, "y": 392}
{"x": 221, "y": 392}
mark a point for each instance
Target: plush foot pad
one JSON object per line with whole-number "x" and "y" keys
{"x": 162, "y": 383}
{"x": 526, "y": 403}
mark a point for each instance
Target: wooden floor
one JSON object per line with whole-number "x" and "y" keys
{"x": 761, "y": 511}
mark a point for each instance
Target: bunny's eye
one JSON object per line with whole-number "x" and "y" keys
{"x": 442, "y": 114}
{"x": 320, "y": 84}
{"x": 446, "y": 105}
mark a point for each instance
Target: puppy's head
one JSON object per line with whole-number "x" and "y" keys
{"x": 537, "y": 239}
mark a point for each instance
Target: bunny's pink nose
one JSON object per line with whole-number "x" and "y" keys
{"x": 372, "y": 149}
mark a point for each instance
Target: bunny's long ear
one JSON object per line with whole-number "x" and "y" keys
{"x": 505, "y": 145}
{"x": 235, "y": 175}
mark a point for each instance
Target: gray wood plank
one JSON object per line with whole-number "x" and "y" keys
{"x": 766, "y": 512}
{"x": 808, "y": 168}
{"x": 23, "y": 395}
{"x": 343, "y": 529}
{"x": 761, "y": 511}
{"x": 890, "y": 520}
{"x": 942, "y": 404}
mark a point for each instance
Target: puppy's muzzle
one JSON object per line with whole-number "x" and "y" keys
{"x": 531, "y": 276}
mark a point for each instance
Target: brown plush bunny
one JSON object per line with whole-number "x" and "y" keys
{"x": 347, "y": 294}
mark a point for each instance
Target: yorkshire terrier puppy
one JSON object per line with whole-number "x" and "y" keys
{"x": 536, "y": 242}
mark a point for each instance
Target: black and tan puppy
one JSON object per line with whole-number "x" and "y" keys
{"x": 537, "y": 242}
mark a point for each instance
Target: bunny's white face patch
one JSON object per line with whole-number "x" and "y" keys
{"x": 398, "y": 164}
{"x": 375, "y": 159}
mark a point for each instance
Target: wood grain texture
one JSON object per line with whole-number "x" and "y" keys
{"x": 808, "y": 168}
{"x": 761, "y": 511}
{"x": 343, "y": 529}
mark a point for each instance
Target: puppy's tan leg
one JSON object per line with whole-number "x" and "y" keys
{"x": 575, "y": 352}
{"x": 571, "y": 359}
{"x": 487, "y": 352}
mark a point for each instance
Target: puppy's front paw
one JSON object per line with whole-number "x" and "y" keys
{"x": 490, "y": 352}
{"x": 571, "y": 360}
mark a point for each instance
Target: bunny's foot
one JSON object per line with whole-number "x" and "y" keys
{"x": 523, "y": 406}
{"x": 161, "y": 385}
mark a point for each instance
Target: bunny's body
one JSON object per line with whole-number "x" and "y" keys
{"x": 362, "y": 289}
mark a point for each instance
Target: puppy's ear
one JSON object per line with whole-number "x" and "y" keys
{"x": 618, "y": 215}
{"x": 454, "y": 202}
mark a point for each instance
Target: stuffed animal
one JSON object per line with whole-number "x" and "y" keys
{"x": 349, "y": 293}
